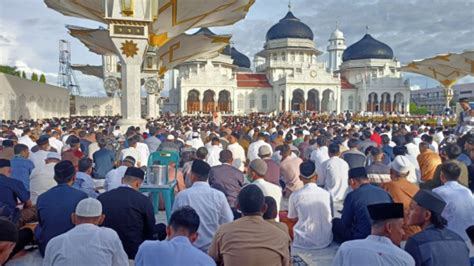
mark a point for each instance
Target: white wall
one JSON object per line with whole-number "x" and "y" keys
{"x": 97, "y": 106}
{"x": 30, "y": 99}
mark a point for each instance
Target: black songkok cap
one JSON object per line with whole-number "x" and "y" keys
{"x": 42, "y": 140}
{"x": 135, "y": 172}
{"x": 358, "y": 173}
{"x": 200, "y": 167}
{"x": 307, "y": 169}
{"x": 64, "y": 169}
{"x": 429, "y": 200}
{"x": 8, "y": 231}
{"x": 4, "y": 163}
{"x": 73, "y": 140}
{"x": 384, "y": 211}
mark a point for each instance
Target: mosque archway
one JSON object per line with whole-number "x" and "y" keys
{"x": 386, "y": 103}
{"x": 373, "y": 103}
{"x": 208, "y": 103}
{"x": 312, "y": 104}
{"x": 193, "y": 102}
{"x": 399, "y": 102}
{"x": 297, "y": 100}
{"x": 224, "y": 101}
{"x": 327, "y": 103}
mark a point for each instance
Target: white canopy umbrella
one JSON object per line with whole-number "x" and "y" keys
{"x": 447, "y": 69}
{"x": 97, "y": 40}
{"x": 96, "y": 71}
{"x": 88, "y": 9}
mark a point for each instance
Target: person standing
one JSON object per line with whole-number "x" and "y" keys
{"x": 382, "y": 246}
{"x": 238, "y": 152}
{"x": 250, "y": 240}
{"x": 210, "y": 204}
{"x": 311, "y": 209}
{"x": 55, "y": 206}
{"x": 129, "y": 212}
{"x": 177, "y": 249}
{"x": 459, "y": 210}
{"x": 103, "y": 244}
{"x": 355, "y": 221}
{"x": 333, "y": 174}
{"x": 435, "y": 244}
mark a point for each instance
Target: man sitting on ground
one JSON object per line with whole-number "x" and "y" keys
{"x": 381, "y": 247}
{"x": 129, "y": 212}
{"x": 250, "y": 240}
{"x": 178, "y": 249}
{"x": 271, "y": 214}
{"x": 436, "y": 243}
{"x": 113, "y": 179}
{"x": 103, "y": 244}
{"x": 84, "y": 180}
{"x": 311, "y": 209}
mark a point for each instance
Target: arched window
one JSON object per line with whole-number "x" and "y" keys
{"x": 240, "y": 101}
{"x": 252, "y": 101}
{"x": 264, "y": 102}
{"x": 350, "y": 103}
{"x": 83, "y": 110}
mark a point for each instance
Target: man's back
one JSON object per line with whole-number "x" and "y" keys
{"x": 273, "y": 172}
{"x": 250, "y": 240}
{"x": 229, "y": 178}
{"x": 238, "y": 153}
{"x": 54, "y": 208}
{"x": 354, "y": 158}
{"x": 435, "y": 246}
{"x": 459, "y": 210}
{"x": 21, "y": 169}
{"x": 312, "y": 206}
{"x": 130, "y": 214}
{"x": 355, "y": 215}
{"x": 374, "y": 250}
{"x": 211, "y": 206}
{"x": 153, "y": 143}
{"x": 334, "y": 177}
{"x": 176, "y": 251}
{"x": 41, "y": 180}
{"x": 103, "y": 247}
{"x": 104, "y": 160}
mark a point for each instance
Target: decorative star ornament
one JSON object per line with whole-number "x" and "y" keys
{"x": 129, "y": 49}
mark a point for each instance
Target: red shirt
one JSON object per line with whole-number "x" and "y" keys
{"x": 376, "y": 138}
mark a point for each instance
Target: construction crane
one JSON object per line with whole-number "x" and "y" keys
{"x": 66, "y": 76}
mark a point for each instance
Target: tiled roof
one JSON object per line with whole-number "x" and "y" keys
{"x": 345, "y": 84}
{"x": 252, "y": 81}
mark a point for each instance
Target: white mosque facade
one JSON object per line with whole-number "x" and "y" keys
{"x": 288, "y": 75}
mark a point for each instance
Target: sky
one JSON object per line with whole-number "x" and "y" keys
{"x": 415, "y": 29}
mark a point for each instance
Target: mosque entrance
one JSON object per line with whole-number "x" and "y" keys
{"x": 312, "y": 104}
{"x": 297, "y": 101}
{"x": 208, "y": 103}
{"x": 193, "y": 103}
{"x": 224, "y": 102}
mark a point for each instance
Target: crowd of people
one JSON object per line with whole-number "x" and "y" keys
{"x": 250, "y": 190}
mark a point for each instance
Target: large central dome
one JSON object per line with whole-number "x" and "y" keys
{"x": 289, "y": 27}
{"x": 366, "y": 48}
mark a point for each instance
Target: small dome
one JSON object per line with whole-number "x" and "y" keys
{"x": 289, "y": 27}
{"x": 204, "y": 31}
{"x": 337, "y": 34}
{"x": 239, "y": 59}
{"x": 366, "y": 48}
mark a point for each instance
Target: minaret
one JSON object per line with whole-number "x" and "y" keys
{"x": 335, "y": 49}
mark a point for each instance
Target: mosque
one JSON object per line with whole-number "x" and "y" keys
{"x": 288, "y": 76}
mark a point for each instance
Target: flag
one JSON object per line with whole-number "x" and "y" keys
{"x": 177, "y": 16}
{"x": 187, "y": 47}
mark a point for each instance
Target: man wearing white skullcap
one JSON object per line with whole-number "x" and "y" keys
{"x": 103, "y": 244}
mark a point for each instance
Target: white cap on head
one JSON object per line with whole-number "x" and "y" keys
{"x": 401, "y": 165}
{"x": 89, "y": 207}
{"x": 170, "y": 137}
{"x": 53, "y": 155}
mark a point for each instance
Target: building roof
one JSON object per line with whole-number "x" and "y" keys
{"x": 239, "y": 59}
{"x": 345, "y": 84}
{"x": 289, "y": 27}
{"x": 366, "y": 48}
{"x": 252, "y": 80}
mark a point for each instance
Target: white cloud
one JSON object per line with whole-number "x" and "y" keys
{"x": 415, "y": 87}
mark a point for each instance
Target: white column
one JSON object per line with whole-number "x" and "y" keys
{"x": 152, "y": 106}
{"x": 131, "y": 77}
{"x": 183, "y": 94}
{"x": 320, "y": 96}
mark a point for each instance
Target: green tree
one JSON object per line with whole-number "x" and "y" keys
{"x": 23, "y": 74}
{"x": 9, "y": 70}
{"x": 34, "y": 76}
{"x": 415, "y": 110}
{"x": 42, "y": 78}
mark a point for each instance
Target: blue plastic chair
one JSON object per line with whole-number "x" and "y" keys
{"x": 167, "y": 190}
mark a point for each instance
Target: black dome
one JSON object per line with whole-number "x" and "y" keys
{"x": 204, "y": 31}
{"x": 239, "y": 58}
{"x": 289, "y": 27}
{"x": 367, "y": 47}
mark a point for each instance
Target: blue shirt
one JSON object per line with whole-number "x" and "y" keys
{"x": 104, "y": 160}
{"x": 434, "y": 246}
{"x": 11, "y": 190}
{"x": 177, "y": 251}
{"x": 54, "y": 208}
{"x": 464, "y": 158}
{"x": 389, "y": 152}
{"x": 85, "y": 183}
{"x": 21, "y": 170}
{"x": 355, "y": 215}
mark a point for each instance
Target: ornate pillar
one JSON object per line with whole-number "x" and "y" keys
{"x": 305, "y": 99}
{"x": 320, "y": 99}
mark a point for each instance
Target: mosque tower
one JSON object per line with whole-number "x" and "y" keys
{"x": 335, "y": 49}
